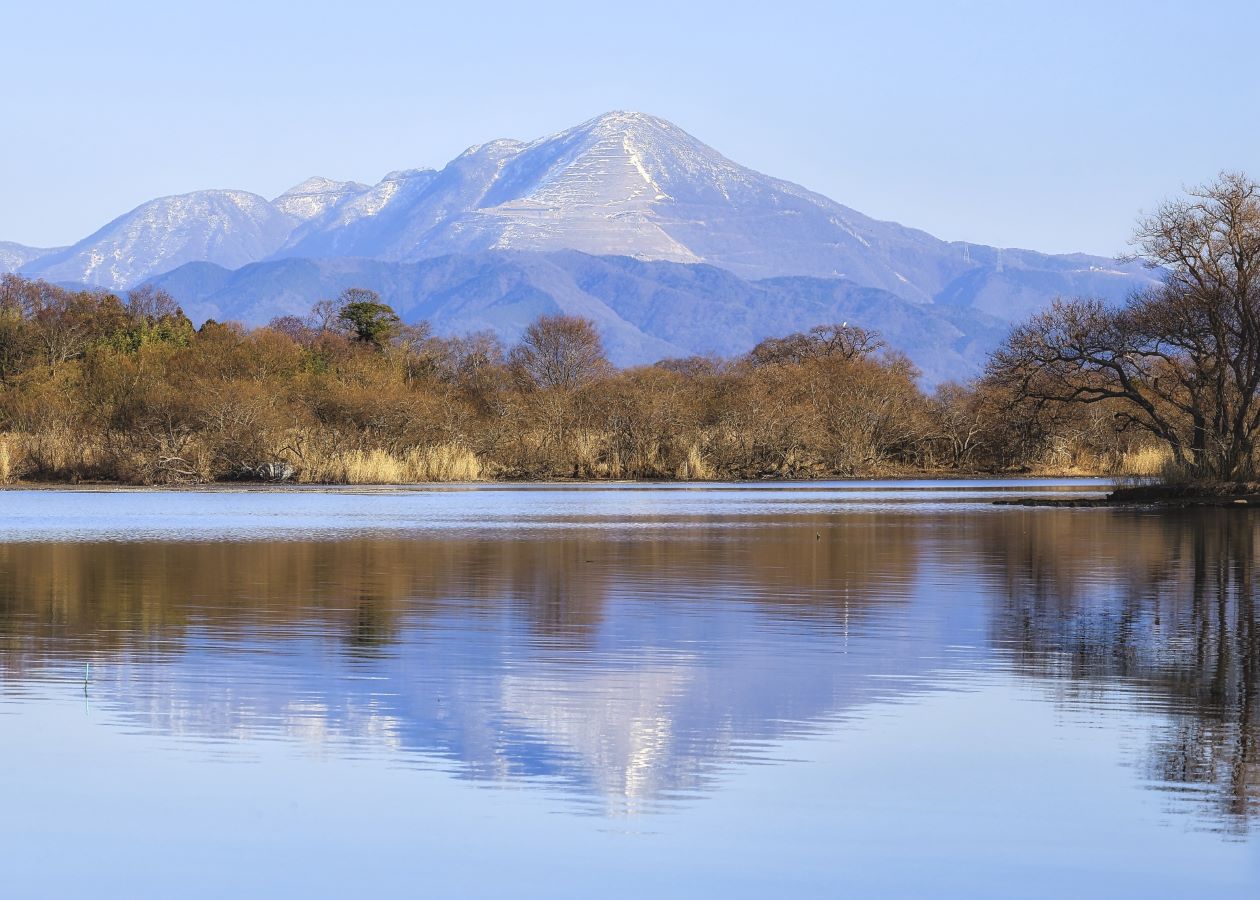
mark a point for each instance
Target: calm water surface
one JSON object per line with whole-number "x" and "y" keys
{"x": 813, "y": 690}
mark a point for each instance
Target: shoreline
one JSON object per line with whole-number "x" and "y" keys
{"x": 1146, "y": 497}
{"x": 1222, "y": 495}
{"x": 1107, "y": 503}
{"x": 1107, "y": 483}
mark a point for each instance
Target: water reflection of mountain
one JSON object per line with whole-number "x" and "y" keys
{"x": 1162, "y": 606}
{"x": 629, "y": 669}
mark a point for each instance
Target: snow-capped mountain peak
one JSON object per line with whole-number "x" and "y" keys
{"x": 227, "y": 227}
{"x": 315, "y": 196}
{"x": 500, "y": 147}
{"x": 623, "y": 183}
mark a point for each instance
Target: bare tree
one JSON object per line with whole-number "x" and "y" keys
{"x": 294, "y": 328}
{"x": 149, "y": 304}
{"x": 1183, "y": 357}
{"x": 842, "y": 341}
{"x": 323, "y": 316}
{"x": 959, "y": 415}
{"x": 846, "y": 341}
{"x": 560, "y": 352}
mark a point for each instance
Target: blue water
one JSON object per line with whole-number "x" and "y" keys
{"x": 808, "y": 690}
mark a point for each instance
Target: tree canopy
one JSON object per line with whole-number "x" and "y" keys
{"x": 560, "y": 351}
{"x": 366, "y": 318}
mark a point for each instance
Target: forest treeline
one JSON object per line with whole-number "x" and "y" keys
{"x": 122, "y": 387}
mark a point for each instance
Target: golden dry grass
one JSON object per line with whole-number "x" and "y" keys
{"x": 694, "y": 467}
{"x": 59, "y": 452}
{"x": 444, "y": 462}
{"x": 419, "y": 465}
{"x": 1145, "y": 462}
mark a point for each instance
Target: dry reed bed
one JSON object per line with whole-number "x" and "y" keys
{"x": 418, "y": 465}
{"x": 59, "y": 456}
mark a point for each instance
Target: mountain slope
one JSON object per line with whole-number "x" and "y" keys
{"x": 646, "y": 310}
{"x": 622, "y": 184}
{"x": 15, "y": 256}
{"x": 636, "y": 185}
{"x": 315, "y": 196}
{"x": 230, "y": 228}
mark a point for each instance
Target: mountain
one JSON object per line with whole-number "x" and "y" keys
{"x": 646, "y": 310}
{"x": 366, "y": 218}
{"x": 316, "y": 196}
{"x": 16, "y": 256}
{"x": 230, "y": 228}
{"x": 636, "y": 185}
{"x": 622, "y": 185}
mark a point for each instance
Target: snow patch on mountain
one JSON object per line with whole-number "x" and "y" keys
{"x": 316, "y": 196}
{"x": 230, "y": 228}
{"x": 622, "y": 184}
{"x": 14, "y": 256}
{"x": 631, "y": 184}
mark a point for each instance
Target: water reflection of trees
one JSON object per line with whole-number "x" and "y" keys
{"x": 68, "y": 599}
{"x": 630, "y": 664}
{"x": 1164, "y": 603}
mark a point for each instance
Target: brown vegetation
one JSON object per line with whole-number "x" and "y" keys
{"x": 95, "y": 386}
{"x": 1180, "y": 361}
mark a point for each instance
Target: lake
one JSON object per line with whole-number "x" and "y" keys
{"x": 772, "y": 690}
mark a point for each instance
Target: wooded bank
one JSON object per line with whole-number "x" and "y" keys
{"x": 100, "y": 387}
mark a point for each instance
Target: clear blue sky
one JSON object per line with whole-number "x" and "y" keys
{"x": 1043, "y": 125}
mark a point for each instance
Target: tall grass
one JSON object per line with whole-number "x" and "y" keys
{"x": 56, "y": 454}
{"x": 444, "y": 462}
{"x": 6, "y": 460}
{"x": 695, "y": 467}
{"x": 1145, "y": 462}
{"x": 418, "y": 465}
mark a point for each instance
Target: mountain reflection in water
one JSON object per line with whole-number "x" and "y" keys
{"x": 631, "y": 668}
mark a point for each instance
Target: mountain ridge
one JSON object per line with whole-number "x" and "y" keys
{"x": 623, "y": 183}
{"x": 14, "y": 256}
{"x": 646, "y": 310}
{"x": 227, "y": 227}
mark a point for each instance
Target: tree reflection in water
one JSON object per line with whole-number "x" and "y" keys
{"x": 627, "y": 667}
{"x": 1162, "y": 604}
{"x": 631, "y": 665}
